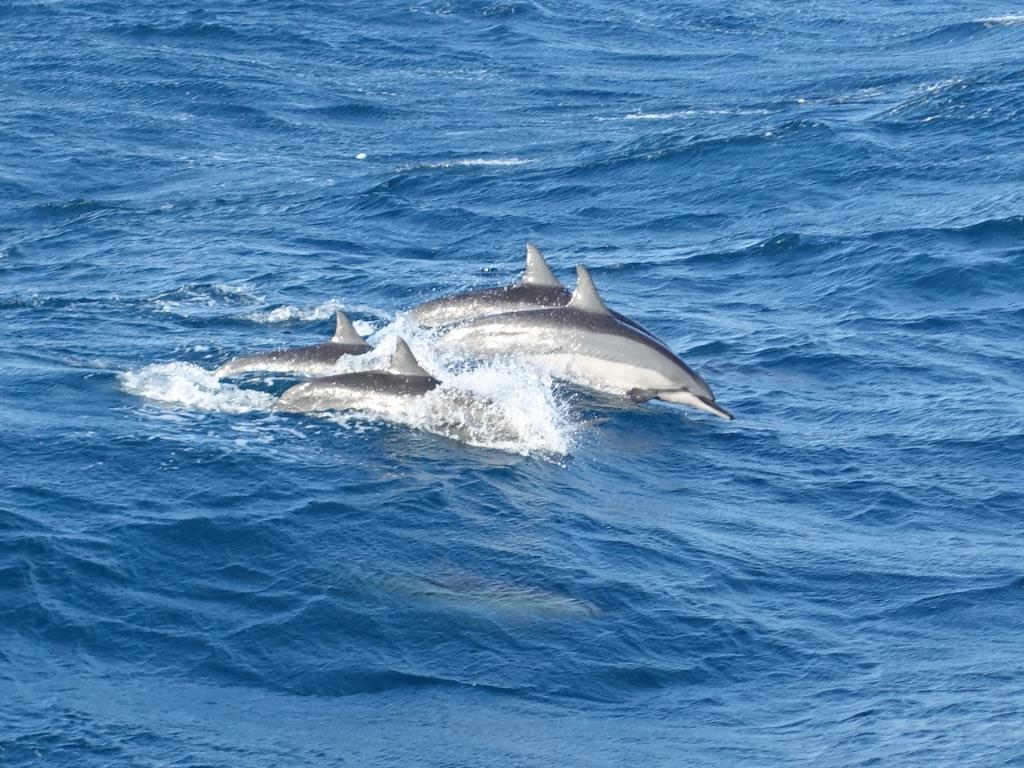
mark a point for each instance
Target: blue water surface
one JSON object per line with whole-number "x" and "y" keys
{"x": 818, "y": 205}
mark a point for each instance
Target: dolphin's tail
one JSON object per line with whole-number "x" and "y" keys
{"x": 684, "y": 397}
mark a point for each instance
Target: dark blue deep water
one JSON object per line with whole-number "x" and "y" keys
{"x": 819, "y": 205}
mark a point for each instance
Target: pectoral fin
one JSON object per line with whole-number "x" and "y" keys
{"x": 641, "y": 395}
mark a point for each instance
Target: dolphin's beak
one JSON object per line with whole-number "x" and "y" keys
{"x": 683, "y": 397}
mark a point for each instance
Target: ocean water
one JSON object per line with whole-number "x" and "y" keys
{"x": 818, "y": 205}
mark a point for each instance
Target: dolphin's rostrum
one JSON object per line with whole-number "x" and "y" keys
{"x": 311, "y": 360}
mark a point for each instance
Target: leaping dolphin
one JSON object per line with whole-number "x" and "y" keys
{"x": 586, "y": 344}
{"x": 311, "y": 360}
{"x": 537, "y": 289}
{"x": 379, "y": 391}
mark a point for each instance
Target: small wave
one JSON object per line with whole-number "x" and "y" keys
{"x": 194, "y": 387}
{"x": 1009, "y": 20}
{"x": 187, "y": 299}
{"x": 76, "y": 209}
{"x": 288, "y": 313}
{"x": 661, "y": 115}
{"x": 976, "y": 600}
{"x": 464, "y": 591}
{"x": 692, "y": 113}
{"x": 783, "y": 247}
{"x": 351, "y": 109}
{"x": 474, "y": 162}
{"x": 959, "y": 99}
{"x": 1010, "y": 227}
{"x": 187, "y": 30}
{"x": 964, "y": 31}
{"x": 671, "y": 147}
{"x": 945, "y": 85}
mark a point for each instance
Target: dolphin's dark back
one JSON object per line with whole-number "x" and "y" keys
{"x": 381, "y": 382}
{"x": 326, "y": 353}
{"x": 539, "y": 296}
{"x": 502, "y": 298}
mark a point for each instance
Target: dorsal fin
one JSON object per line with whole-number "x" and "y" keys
{"x": 537, "y": 270}
{"x": 585, "y": 297}
{"x": 403, "y": 362}
{"x": 345, "y": 332}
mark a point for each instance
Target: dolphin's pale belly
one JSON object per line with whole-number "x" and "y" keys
{"x": 608, "y": 363}
{"x": 492, "y": 339}
{"x": 600, "y": 374}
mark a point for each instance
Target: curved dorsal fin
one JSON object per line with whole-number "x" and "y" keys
{"x": 403, "y": 362}
{"x": 345, "y": 332}
{"x": 585, "y": 297}
{"x": 537, "y": 270}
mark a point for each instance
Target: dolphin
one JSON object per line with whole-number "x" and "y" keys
{"x": 586, "y": 344}
{"x": 380, "y": 391}
{"x": 406, "y": 393}
{"x": 318, "y": 358}
{"x": 537, "y": 289}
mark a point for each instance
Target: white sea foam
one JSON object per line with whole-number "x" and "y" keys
{"x": 686, "y": 114}
{"x": 240, "y": 290}
{"x": 289, "y": 313}
{"x": 676, "y": 115}
{"x": 323, "y": 311}
{"x": 193, "y": 387}
{"x": 943, "y": 85}
{"x": 464, "y": 416}
{"x": 189, "y": 300}
{"x": 476, "y": 162}
{"x": 503, "y": 404}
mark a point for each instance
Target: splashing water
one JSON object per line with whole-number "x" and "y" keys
{"x": 503, "y": 405}
{"x": 194, "y": 387}
{"x": 288, "y": 313}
